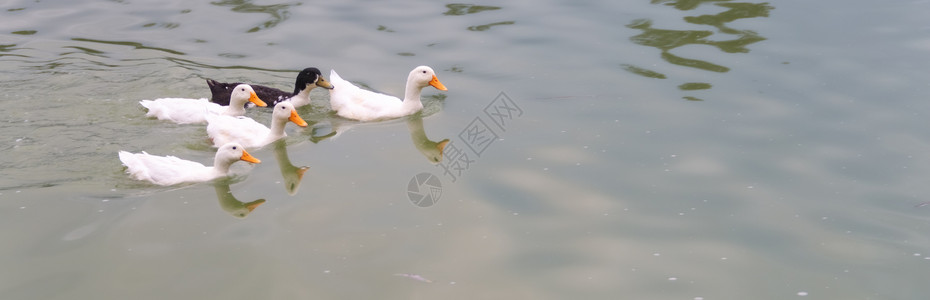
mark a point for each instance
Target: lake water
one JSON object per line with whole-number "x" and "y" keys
{"x": 596, "y": 150}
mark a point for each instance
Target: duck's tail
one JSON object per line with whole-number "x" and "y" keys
{"x": 217, "y": 89}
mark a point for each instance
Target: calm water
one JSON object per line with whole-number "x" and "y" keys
{"x": 650, "y": 150}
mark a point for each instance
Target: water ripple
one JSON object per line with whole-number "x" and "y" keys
{"x": 277, "y": 12}
{"x": 667, "y": 40}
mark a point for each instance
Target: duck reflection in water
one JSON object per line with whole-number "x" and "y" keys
{"x": 430, "y": 149}
{"x": 291, "y": 174}
{"x": 230, "y": 204}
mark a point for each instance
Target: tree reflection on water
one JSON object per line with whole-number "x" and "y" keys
{"x": 667, "y": 39}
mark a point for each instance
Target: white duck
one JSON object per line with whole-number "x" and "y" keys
{"x": 251, "y": 134}
{"x": 188, "y": 111}
{"x": 170, "y": 170}
{"x": 352, "y": 102}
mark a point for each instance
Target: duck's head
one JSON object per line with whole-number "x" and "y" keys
{"x": 424, "y": 76}
{"x": 241, "y": 210}
{"x": 434, "y": 155}
{"x": 292, "y": 181}
{"x": 234, "y": 152}
{"x": 244, "y": 93}
{"x": 284, "y": 110}
{"x": 310, "y": 78}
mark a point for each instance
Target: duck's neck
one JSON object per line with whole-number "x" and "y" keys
{"x": 301, "y": 97}
{"x": 280, "y": 153}
{"x": 429, "y": 148}
{"x": 291, "y": 173}
{"x": 230, "y": 204}
{"x": 227, "y": 201}
{"x": 277, "y": 130}
{"x": 412, "y": 97}
{"x": 415, "y": 126}
{"x": 235, "y": 109}
{"x": 221, "y": 167}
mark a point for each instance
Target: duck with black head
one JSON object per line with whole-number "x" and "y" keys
{"x": 306, "y": 80}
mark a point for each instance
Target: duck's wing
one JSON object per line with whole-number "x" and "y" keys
{"x": 220, "y": 91}
{"x": 271, "y": 95}
{"x": 161, "y": 170}
{"x": 180, "y": 110}
{"x": 347, "y": 96}
{"x": 228, "y": 129}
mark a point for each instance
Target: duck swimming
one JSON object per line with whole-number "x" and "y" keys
{"x": 170, "y": 170}
{"x": 307, "y": 79}
{"x": 248, "y": 132}
{"x": 352, "y": 102}
{"x": 191, "y": 111}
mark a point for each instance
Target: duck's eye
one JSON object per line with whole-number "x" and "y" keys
{"x": 424, "y": 71}
{"x": 235, "y": 148}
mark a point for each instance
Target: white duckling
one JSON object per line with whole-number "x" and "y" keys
{"x": 352, "y": 102}
{"x": 190, "y": 111}
{"x": 170, "y": 170}
{"x": 248, "y": 132}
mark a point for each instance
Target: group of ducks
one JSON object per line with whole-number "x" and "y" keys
{"x": 232, "y": 132}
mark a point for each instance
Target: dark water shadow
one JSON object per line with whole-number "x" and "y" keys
{"x": 667, "y": 40}
{"x": 85, "y": 48}
{"x": 7, "y": 49}
{"x": 277, "y": 12}
{"x": 460, "y": 9}
{"x": 135, "y": 45}
{"x": 488, "y": 26}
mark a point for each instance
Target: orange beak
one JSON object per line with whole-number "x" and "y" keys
{"x": 301, "y": 171}
{"x": 442, "y": 146}
{"x": 254, "y": 204}
{"x": 438, "y": 85}
{"x": 248, "y": 157}
{"x": 296, "y": 119}
{"x": 254, "y": 99}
